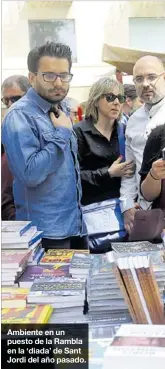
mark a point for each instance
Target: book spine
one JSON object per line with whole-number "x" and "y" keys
{"x": 35, "y": 239}
{"x": 123, "y": 289}
{"x": 159, "y": 307}
{"x": 25, "y": 228}
{"x": 144, "y": 283}
{"x": 141, "y": 305}
{"x": 135, "y": 298}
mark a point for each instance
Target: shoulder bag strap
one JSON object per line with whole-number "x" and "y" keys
{"x": 121, "y": 138}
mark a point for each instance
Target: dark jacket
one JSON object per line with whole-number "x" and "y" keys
{"x": 96, "y": 154}
{"x": 152, "y": 152}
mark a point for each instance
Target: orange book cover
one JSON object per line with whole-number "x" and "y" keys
{"x": 122, "y": 286}
{"x": 145, "y": 286}
{"x": 38, "y": 314}
{"x": 156, "y": 294}
{"x": 132, "y": 290}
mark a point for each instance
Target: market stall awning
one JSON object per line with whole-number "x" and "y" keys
{"x": 124, "y": 58}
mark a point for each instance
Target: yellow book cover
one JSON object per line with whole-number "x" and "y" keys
{"x": 15, "y": 291}
{"x": 57, "y": 256}
{"x": 38, "y": 315}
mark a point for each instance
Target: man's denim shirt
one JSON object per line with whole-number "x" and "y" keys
{"x": 43, "y": 161}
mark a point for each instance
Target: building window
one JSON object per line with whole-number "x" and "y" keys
{"x": 62, "y": 30}
{"x": 147, "y": 34}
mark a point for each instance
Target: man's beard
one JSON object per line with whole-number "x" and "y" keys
{"x": 45, "y": 95}
{"x": 155, "y": 100}
{"x": 53, "y": 101}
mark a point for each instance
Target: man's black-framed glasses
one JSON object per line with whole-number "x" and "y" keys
{"x": 51, "y": 77}
{"x": 111, "y": 97}
{"x": 12, "y": 99}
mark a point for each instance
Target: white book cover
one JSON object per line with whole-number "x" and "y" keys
{"x": 15, "y": 227}
{"x": 7, "y": 237}
{"x": 23, "y": 242}
{"x": 137, "y": 346}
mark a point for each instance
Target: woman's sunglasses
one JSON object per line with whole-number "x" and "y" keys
{"x": 111, "y": 97}
{"x": 12, "y": 99}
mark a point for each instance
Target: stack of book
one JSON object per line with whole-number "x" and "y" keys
{"x": 136, "y": 346}
{"x": 30, "y": 315}
{"x": 139, "y": 287}
{"x": 13, "y": 297}
{"x": 80, "y": 264}
{"x": 104, "y": 296}
{"x": 22, "y": 235}
{"x": 13, "y": 264}
{"x": 42, "y": 272}
{"x": 66, "y": 295}
{"x": 155, "y": 251}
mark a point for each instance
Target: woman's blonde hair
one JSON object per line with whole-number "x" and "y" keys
{"x": 104, "y": 85}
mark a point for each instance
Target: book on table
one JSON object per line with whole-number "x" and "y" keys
{"x": 61, "y": 256}
{"x": 32, "y": 314}
{"x": 13, "y": 297}
{"x": 21, "y": 242}
{"x": 13, "y": 259}
{"x": 58, "y": 290}
{"x": 139, "y": 288}
{"x": 136, "y": 346}
{"x": 41, "y": 272}
{"x": 15, "y": 227}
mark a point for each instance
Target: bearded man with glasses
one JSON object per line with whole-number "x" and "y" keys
{"x": 149, "y": 79}
{"x": 42, "y": 151}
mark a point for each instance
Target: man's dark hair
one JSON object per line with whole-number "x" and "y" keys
{"x": 52, "y": 49}
{"x": 20, "y": 80}
{"x": 130, "y": 91}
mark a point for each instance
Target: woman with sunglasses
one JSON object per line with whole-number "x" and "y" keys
{"x": 98, "y": 142}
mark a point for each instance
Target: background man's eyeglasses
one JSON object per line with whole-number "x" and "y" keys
{"x": 51, "y": 77}
{"x": 12, "y": 99}
{"x": 111, "y": 97}
{"x": 149, "y": 77}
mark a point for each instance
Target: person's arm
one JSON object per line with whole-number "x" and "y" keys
{"x": 128, "y": 189}
{"x": 151, "y": 186}
{"x": 153, "y": 168}
{"x": 27, "y": 160}
{"x": 100, "y": 176}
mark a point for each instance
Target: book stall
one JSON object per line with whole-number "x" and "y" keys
{"x": 119, "y": 294}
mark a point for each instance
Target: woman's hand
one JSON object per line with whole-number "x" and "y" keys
{"x": 118, "y": 169}
{"x": 158, "y": 169}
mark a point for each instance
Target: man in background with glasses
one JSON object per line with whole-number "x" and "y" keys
{"x": 149, "y": 79}
{"x": 42, "y": 151}
{"x": 13, "y": 88}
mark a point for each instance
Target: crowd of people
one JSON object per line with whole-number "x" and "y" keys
{"x": 52, "y": 169}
